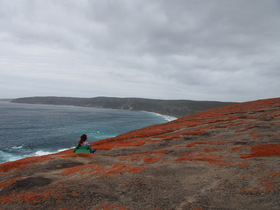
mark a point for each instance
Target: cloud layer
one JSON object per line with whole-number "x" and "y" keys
{"x": 181, "y": 49}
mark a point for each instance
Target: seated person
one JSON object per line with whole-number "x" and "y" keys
{"x": 83, "y": 145}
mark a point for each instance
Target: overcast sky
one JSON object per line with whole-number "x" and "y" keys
{"x": 220, "y": 50}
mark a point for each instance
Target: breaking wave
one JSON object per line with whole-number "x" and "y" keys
{"x": 7, "y": 157}
{"x": 11, "y": 155}
{"x": 165, "y": 117}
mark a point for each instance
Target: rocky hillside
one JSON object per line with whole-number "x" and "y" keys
{"x": 176, "y": 108}
{"x": 224, "y": 158}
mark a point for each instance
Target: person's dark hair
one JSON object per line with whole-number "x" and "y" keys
{"x": 83, "y": 138}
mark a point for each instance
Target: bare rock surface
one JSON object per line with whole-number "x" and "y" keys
{"x": 224, "y": 158}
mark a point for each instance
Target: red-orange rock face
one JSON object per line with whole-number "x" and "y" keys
{"x": 224, "y": 158}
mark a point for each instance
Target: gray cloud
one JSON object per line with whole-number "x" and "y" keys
{"x": 182, "y": 49}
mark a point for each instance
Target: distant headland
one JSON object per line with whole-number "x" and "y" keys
{"x": 176, "y": 108}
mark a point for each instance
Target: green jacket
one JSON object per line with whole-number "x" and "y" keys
{"x": 86, "y": 149}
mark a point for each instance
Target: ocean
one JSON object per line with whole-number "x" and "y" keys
{"x": 35, "y": 129}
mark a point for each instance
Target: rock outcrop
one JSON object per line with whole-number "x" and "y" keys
{"x": 224, "y": 158}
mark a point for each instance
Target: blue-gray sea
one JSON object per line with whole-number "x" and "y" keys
{"x": 35, "y": 129}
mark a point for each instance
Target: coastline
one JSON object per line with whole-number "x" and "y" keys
{"x": 175, "y": 108}
{"x": 17, "y": 150}
{"x": 168, "y": 118}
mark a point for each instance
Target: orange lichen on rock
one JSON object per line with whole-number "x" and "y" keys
{"x": 116, "y": 144}
{"x": 223, "y": 119}
{"x": 253, "y": 190}
{"x": 151, "y": 159}
{"x": 33, "y": 197}
{"x": 206, "y": 149}
{"x": 170, "y": 137}
{"x": 255, "y": 136}
{"x": 234, "y": 149}
{"x": 82, "y": 169}
{"x": 150, "y": 131}
{"x": 246, "y": 129}
{"x": 274, "y": 174}
{"x": 228, "y": 125}
{"x": 193, "y": 133}
{"x": 7, "y": 183}
{"x": 196, "y": 208}
{"x": 153, "y": 152}
{"x": 146, "y": 156}
{"x": 244, "y": 164}
{"x": 19, "y": 164}
{"x": 143, "y": 158}
{"x": 136, "y": 159}
{"x": 209, "y": 158}
{"x": 169, "y": 131}
{"x": 217, "y": 142}
{"x": 265, "y": 184}
{"x": 240, "y": 108}
{"x": 100, "y": 170}
{"x": 118, "y": 168}
{"x": 75, "y": 155}
{"x": 262, "y": 150}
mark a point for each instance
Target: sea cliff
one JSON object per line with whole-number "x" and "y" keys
{"x": 223, "y": 158}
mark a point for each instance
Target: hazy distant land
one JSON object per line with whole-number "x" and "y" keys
{"x": 176, "y": 108}
{"x": 4, "y": 99}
